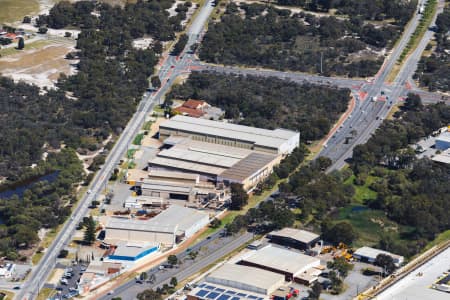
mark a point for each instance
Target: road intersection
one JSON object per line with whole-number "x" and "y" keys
{"x": 366, "y": 116}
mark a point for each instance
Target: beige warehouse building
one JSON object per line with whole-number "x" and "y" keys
{"x": 278, "y": 141}
{"x": 169, "y": 227}
{"x": 214, "y": 162}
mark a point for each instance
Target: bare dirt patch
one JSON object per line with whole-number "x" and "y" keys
{"x": 41, "y": 67}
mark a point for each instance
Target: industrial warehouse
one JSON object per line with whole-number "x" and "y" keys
{"x": 234, "y": 281}
{"x": 215, "y": 163}
{"x": 296, "y": 238}
{"x": 368, "y": 254}
{"x": 294, "y": 266}
{"x": 221, "y": 152}
{"x": 167, "y": 228}
{"x": 278, "y": 141}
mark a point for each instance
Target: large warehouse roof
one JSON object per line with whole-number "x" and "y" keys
{"x": 179, "y": 215}
{"x": 185, "y": 166}
{"x": 246, "y": 278}
{"x": 228, "y": 162}
{"x": 247, "y": 166}
{"x": 258, "y": 136}
{"x": 193, "y": 155}
{"x": 139, "y": 225}
{"x": 281, "y": 259}
{"x": 174, "y": 218}
{"x": 296, "y": 234}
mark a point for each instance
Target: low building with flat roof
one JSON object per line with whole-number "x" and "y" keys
{"x": 293, "y": 265}
{"x": 443, "y": 141}
{"x": 295, "y": 238}
{"x": 170, "y": 226}
{"x": 246, "y": 278}
{"x": 443, "y": 157}
{"x": 213, "y": 291}
{"x": 131, "y": 252}
{"x": 278, "y": 141}
{"x": 368, "y": 254}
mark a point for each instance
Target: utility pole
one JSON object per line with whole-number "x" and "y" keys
{"x": 321, "y": 63}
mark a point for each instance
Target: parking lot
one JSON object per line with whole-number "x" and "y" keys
{"x": 67, "y": 284}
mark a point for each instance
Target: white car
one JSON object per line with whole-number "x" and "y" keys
{"x": 64, "y": 281}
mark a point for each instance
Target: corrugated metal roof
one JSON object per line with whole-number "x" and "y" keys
{"x": 373, "y": 253}
{"x": 246, "y": 275}
{"x": 248, "y": 166}
{"x": 175, "y": 217}
{"x": 296, "y": 234}
{"x": 281, "y": 259}
{"x": 185, "y": 165}
{"x": 258, "y": 136}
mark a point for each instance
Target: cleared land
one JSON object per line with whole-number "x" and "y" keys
{"x": 15, "y": 10}
{"x": 40, "y": 63}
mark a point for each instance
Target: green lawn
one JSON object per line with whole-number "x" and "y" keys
{"x": 362, "y": 193}
{"x": 130, "y": 153}
{"x": 369, "y": 224}
{"x": 138, "y": 139}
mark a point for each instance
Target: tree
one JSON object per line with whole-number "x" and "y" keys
{"x": 26, "y": 19}
{"x": 63, "y": 253}
{"x": 149, "y": 295}
{"x": 386, "y": 262}
{"x": 193, "y": 255}
{"x": 239, "y": 197}
{"x": 143, "y": 276}
{"x": 215, "y": 223}
{"x": 342, "y": 232}
{"x": 42, "y": 30}
{"x": 179, "y": 46}
{"x": 172, "y": 260}
{"x": 156, "y": 82}
{"x": 341, "y": 266}
{"x": 67, "y": 34}
{"x": 21, "y": 43}
{"x": 157, "y": 47}
{"x": 314, "y": 292}
{"x": 413, "y": 102}
{"x": 173, "y": 281}
{"x": 336, "y": 283}
{"x": 89, "y": 233}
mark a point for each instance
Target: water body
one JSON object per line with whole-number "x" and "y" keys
{"x": 19, "y": 190}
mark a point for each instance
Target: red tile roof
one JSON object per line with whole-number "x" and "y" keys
{"x": 194, "y": 104}
{"x": 189, "y": 111}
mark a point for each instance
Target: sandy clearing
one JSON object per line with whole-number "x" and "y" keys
{"x": 41, "y": 67}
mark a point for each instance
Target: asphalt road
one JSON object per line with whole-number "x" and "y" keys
{"x": 369, "y": 114}
{"x": 366, "y": 117}
{"x": 212, "y": 249}
{"x": 168, "y": 74}
{"x": 169, "y": 70}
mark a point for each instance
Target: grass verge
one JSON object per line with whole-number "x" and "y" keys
{"x": 424, "y": 23}
{"x": 30, "y": 46}
{"x": 8, "y": 295}
{"x": 138, "y": 139}
{"x": 444, "y": 236}
{"x": 45, "y": 293}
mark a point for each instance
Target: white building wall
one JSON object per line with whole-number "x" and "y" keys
{"x": 200, "y": 224}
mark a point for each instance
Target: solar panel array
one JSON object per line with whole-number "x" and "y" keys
{"x": 210, "y": 292}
